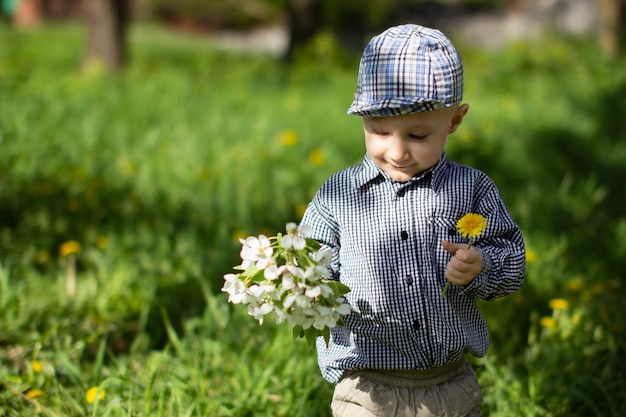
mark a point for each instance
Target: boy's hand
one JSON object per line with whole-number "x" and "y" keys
{"x": 465, "y": 263}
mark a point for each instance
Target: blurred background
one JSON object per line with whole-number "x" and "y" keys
{"x": 139, "y": 140}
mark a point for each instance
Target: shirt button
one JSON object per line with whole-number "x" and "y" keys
{"x": 408, "y": 279}
{"x": 404, "y": 235}
{"x": 400, "y": 192}
{"x": 416, "y": 325}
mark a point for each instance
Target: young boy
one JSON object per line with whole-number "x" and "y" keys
{"x": 391, "y": 223}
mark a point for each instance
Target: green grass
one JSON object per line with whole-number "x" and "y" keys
{"x": 158, "y": 170}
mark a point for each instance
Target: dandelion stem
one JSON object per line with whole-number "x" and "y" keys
{"x": 70, "y": 284}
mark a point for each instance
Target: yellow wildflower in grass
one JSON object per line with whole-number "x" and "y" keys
{"x": 36, "y": 366}
{"x": 289, "y": 138}
{"x": 300, "y": 209}
{"x": 93, "y": 394}
{"x": 70, "y": 247}
{"x": 559, "y": 304}
{"x": 575, "y": 285}
{"x": 470, "y": 226}
{"x": 102, "y": 242}
{"x": 239, "y": 234}
{"x": 547, "y": 322}
{"x": 531, "y": 256}
{"x": 317, "y": 157}
{"x": 34, "y": 393}
{"x": 466, "y": 135}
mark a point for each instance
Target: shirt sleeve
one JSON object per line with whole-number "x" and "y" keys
{"x": 501, "y": 245}
{"x": 325, "y": 229}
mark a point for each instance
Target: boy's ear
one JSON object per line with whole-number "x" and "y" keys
{"x": 457, "y": 119}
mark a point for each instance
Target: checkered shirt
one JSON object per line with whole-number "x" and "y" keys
{"x": 386, "y": 239}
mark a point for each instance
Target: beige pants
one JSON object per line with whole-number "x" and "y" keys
{"x": 449, "y": 391}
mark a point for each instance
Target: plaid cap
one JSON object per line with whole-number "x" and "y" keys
{"x": 408, "y": 69}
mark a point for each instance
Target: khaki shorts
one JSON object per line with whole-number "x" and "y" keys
{"x": 450, "y": 390}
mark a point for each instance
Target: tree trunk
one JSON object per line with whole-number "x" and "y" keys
{"x": 107, "y": 22}
{"x": 305, "y": 20}
{"x": 611, "y": 13}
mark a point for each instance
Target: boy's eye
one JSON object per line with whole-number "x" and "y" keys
{"x": 417, "y": 137}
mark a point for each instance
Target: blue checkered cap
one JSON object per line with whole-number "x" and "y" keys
{"x": 408, "y": 69}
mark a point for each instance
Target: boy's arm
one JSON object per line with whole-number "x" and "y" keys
{"x": 501, "y": 247}
{"x": 324, "y": 230}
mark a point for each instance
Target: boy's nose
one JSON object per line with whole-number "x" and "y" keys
{"x": 397, "y": 149}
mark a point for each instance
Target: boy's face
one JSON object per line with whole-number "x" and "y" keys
{"x": 404, "y": 146}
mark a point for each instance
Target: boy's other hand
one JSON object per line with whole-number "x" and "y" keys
{"x": 465, "y": 263}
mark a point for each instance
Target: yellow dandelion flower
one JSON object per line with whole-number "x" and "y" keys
{"x": 289, "y": 138}
{"x": 70, "y": 247}
{"x": 575, "y": 285}
{"x": 531, "y": 256}
{"x": 317, "y": 157}
{"x": 471, "y": 225}
{"x": 36, "y": 366}
{"x": 300, "y": 209}
{"x": 239, "y": 234}
{"x": 466, "y": 135}
{"x": 102, "y": 242}
{"x": 547, "y": 322}
{"x": 576, "y": 318}
{"x": 34, "y": 393}
{"x": 559, "y": 304}
{"x": 93, "y": 394}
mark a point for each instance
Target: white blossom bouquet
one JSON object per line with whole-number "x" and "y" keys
{"x": 287, "y": 276}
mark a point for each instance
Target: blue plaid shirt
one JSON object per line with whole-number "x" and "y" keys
{"x": 386, "y": 238}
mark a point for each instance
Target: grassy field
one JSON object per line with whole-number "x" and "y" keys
{"x": 122, "y": 198}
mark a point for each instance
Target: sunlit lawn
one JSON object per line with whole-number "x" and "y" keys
{"x": 156, "y": 172}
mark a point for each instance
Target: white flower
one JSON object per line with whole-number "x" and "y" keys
{"x": 299, "y": 318}
{"x": 323, "y": 256}
{"x": 305, "y": 230}
{"x": 270, "y": 292}
{"x": 326, "y": 290}
{"x": 261, "y": 311}
{"x": 235, "y": 288}
{"x": 324, "y": 318}
{"x": 344, "y": 309}
{"x": 293, "y": 242}
{"x": 297, "y": 301}
{"x": 257, "y": 251}
{"x": 288, "y": 283}
{"x": 313, "y": 292}
{"x": 291, "y": 228}
{"x": 272, "y": 272}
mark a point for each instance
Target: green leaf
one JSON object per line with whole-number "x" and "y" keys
{"x": 338, "y": 288}
{"x": 258, "y": 275}
{"x": 326, "y": 335}
{"x": 297, "y": 332}
{"x": 311, "y": 336}
{"x": 312, "y": 244}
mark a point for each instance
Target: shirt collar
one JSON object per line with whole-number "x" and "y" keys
{"x": 370, "y": 171}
